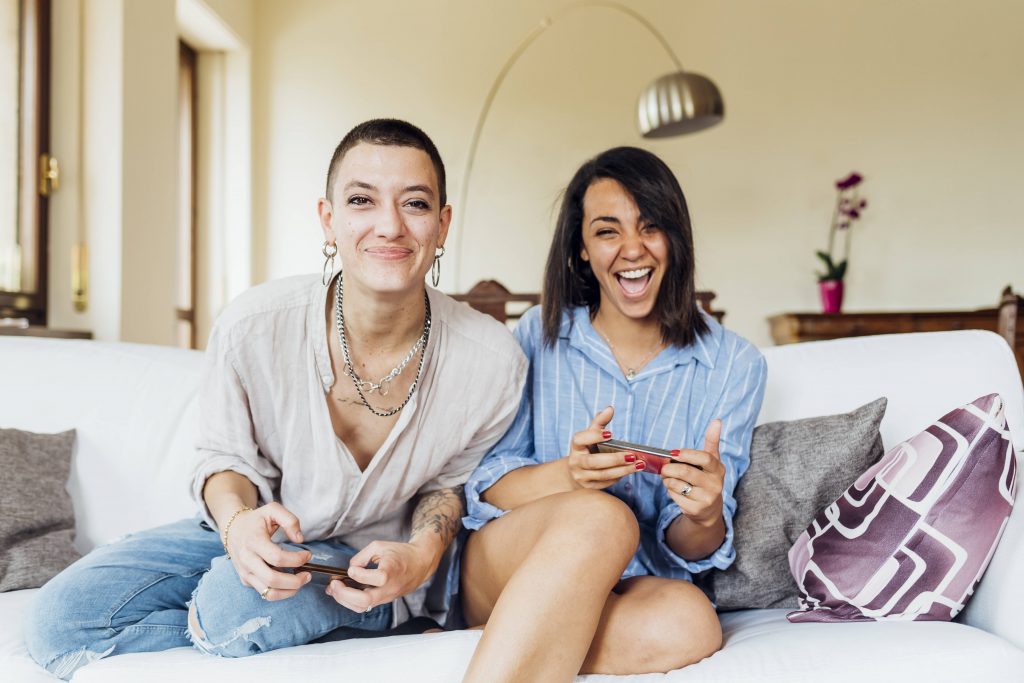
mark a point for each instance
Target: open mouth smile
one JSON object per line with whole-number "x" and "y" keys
{"x": 634, "y": 283}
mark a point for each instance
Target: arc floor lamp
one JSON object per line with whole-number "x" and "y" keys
{"x": 674, "y": 104}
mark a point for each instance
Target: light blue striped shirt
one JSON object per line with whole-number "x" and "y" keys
{"x": 668, "y": 405}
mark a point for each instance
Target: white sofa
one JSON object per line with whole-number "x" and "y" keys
{"x": 135, "y": 412}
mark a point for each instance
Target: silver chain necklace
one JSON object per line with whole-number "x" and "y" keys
{"x": 384, "y": 385}
{"x": 629, "y": 372}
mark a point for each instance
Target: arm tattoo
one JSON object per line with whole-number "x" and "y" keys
{"x": 439, "y": 512}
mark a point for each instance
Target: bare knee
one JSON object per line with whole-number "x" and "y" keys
{"x": 585, "y": 528}
{"x": 600, "y": 520}
{"x": 683, "y": 629}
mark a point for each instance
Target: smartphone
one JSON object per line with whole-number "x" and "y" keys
{"x": 324, "y": 574}
{"x": 654, "y": 458}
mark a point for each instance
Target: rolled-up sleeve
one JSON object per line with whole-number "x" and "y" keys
{"x": 226, "y": 435}
{"x": 511, "y": 453}
{"x": 737, "y": 407}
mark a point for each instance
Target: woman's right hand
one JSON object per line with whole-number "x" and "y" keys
{"x": 598, "y": 470}
{"x": 255, "y": 556}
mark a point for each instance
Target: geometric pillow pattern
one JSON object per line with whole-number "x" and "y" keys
{"x": 911, "y": 538}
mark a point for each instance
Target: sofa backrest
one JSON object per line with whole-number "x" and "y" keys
{"x": 135, "y": 412}
{"x": 133, "y": 407}
{"x": 924, "y": 376}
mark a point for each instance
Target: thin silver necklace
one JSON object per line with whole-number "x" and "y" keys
{"x": 384, "y": 385}
{"x": 630, "y": 372}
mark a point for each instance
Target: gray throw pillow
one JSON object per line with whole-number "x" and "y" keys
{"x": 37, "y": 522}
{"x": 796, "y": 469}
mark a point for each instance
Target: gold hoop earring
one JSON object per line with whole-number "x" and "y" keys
{"x": 435, "y": 268}
{"x": 329, "y": 251}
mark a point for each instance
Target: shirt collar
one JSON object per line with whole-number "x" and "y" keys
{"x": 580, "y": 334}
{"x": 316, "y": 325}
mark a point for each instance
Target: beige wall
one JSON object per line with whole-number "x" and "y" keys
{"x": 921, "y": 96}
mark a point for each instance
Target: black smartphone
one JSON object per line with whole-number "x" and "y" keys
{"x": 324, "y": 574}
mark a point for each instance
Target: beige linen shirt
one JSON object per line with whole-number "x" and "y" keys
{"x": 263, "y": 413}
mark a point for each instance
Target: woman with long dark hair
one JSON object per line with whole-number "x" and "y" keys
{"x": 582, "y": 561}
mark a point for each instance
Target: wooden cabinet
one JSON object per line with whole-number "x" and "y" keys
{"x": 40, "y": 331}
{"x": 788, "y": 328}
{"x": 1007, "y": 320}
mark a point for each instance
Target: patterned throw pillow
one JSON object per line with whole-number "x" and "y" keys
{"x": 911, "y": 538}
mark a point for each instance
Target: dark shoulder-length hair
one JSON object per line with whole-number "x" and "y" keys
{"x": 569, "y": 280}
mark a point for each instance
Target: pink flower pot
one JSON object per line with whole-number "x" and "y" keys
{"x": 831, "y": 295}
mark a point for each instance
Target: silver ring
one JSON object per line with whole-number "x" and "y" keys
{"x": 367, "y": 610}
{"x": 686, "y": 489}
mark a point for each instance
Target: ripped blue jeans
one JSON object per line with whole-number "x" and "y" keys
{"x": 133, "y": 595}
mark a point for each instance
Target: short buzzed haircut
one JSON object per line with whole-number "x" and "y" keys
{"x": 390, "y": 133}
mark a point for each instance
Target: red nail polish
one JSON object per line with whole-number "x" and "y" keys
{"x": 675, "y": 453}
{"x": 640, "y": 465}
{"x": 630, "y": 457}
{"x": 606, "y": 435}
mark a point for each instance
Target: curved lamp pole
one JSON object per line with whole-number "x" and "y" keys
{"x": 675, "y": 104}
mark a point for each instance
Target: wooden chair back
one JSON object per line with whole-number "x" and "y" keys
{"x": 1011, "y": 323}
{"x": 493, "y": 298}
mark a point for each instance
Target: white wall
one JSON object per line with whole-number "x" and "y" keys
{"x": 114, "y": 124}
{"x": 115, "y": 131}
{"x": 921, "y": 96}
{"x": 222, "y": 32}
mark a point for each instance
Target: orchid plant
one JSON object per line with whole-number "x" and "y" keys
{"x": 849, "y": 206}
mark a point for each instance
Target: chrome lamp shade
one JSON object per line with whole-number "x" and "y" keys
{"x": 681, "y": 102}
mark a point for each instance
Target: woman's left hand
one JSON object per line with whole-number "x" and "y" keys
{"x": 400, "y": 569}
{"x": 698, "y": 492}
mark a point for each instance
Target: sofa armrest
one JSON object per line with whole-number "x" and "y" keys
{"x": 998, "y": 604}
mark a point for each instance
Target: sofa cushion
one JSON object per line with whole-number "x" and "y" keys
{"x": 796, "y": 468}
{"x": 759, "y": 646}
{"x": 913, "y": 535}
{"x": 37, "y": 522}
{"x": 133, "y": 410}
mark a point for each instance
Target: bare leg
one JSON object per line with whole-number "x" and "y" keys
{"x": 539, "y": 577}
{"x": 652, "y": 624}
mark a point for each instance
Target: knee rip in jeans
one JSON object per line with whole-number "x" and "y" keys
{"x": 224, "y": 648}
{"x": 63, "y": 666}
